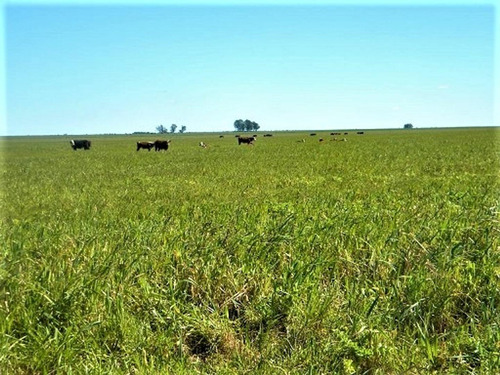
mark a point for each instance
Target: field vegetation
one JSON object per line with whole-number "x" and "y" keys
{"x": 378, "y": 255}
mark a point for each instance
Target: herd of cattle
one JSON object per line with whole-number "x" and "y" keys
{"x": 159, "y": 145}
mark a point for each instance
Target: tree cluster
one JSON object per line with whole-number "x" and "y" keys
{"x": 246, "y": 126}
{"x": 163, "y": 130}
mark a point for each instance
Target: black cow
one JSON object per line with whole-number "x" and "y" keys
{"x": 346, "y": 133}
{"x": 161, "y": 145}
{"x": 334, "y": 133}
{"x": 268, "y": 135}
{"x": 145, "y": 145}
{"x": 312, "y": 134}
{"x": 360, "y": 133}
{"x": 246, "y": 140}
{"x": 221, "y": 136}
{"x": 80, "y": 143}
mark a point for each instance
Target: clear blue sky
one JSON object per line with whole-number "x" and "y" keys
{"x": 93, "y": 69}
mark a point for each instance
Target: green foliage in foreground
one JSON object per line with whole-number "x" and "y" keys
{"x": 377, "y": 255}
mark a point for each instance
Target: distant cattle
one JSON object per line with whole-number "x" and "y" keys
{"x": 268, "y": 135}
{"x": 321, "y": 139}
{"x": 346, "y": 133}
{"x": 161, "y": 145}
{"x": 312, "y": 134}
{"x": 145, "y": 145}
{"x": 203, "y": 144}
{"x": 360, "y": 133}
{"x": 246, "y": 140}
{"x": 221, "y": 136}
{"x": 334, "y": 133}
{"x": 80, "y": 143}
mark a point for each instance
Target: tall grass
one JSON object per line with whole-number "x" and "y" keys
{"x": 376, "y": 255}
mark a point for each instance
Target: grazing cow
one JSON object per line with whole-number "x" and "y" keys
{"x": 268, "y": 135}
{"x": 203, "y": 144}
{"x": 334, "y": 133}
{"x": 360, "y": 133}
{"x": 346, "y": 133}
{"x": 145, "y": 145}
{"x": 246, "y": 140}
{"x": 221, "y": 136}
{"x": 255, "y": 135}
{"x": 161, "y": 145}
{"x": 80, "y": 143}
{"x": 321, "y": 139}
{"x": 312, "y": 134}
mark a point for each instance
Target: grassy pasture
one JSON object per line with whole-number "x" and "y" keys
{"x": 376, "y": 255}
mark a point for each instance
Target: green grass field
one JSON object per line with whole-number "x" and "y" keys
{"x": 379, "y": 255}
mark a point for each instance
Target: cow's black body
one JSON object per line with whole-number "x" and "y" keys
{"x": 161, "y": 145}
{"x": 80, "y": 143}
{"x": 246, "y": 140}
{"x": 145, "y": 145}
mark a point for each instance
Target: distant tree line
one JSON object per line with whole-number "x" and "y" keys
{"x": 163, "y": 130}
{"x": 246, "y": 126}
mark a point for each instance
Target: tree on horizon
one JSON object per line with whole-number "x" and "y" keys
{"x": 161, "y": 129}
{"x": 246, "y": 126}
